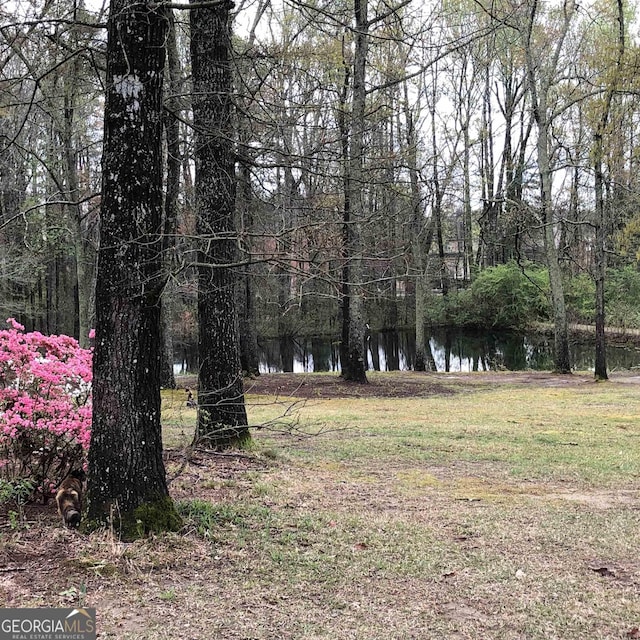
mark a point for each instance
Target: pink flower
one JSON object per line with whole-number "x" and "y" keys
{"x": 14, "y": 324}
{"x": 45, "y": 399}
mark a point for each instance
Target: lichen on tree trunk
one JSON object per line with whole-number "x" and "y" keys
{"x": 126, "y": 469}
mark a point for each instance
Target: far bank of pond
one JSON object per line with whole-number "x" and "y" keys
{"x": 452, "y": 350}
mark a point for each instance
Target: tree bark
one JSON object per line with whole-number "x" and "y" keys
{"x": 222, "y": 417}
{"x": 600, "y": 369}
{"x": 421, "y": 240}
{"x": 562, "y": 360}
{"x": 249, "y": 355}
{"x": 354, "y": 357}
{"x": 84, "y": 256}
{"x": 127, "y": 484}
{"x": 247, "y": 288}
{"x": 171, "y": 200}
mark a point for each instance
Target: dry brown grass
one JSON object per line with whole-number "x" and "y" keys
{"x": 506, "y": 509}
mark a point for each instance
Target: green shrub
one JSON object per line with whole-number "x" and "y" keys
{"x": 504, "y": 297}
{"x": 623, "y": 285}
{"x": 16, "y": 493}
{"x": 580, "y": 298}
{"x": 622, "y": 296}
{"x": 623, "y": 315}
{"x": 434, "y": 312}
{"x": 459, "y": 311}
{"x": 509, "y": 296}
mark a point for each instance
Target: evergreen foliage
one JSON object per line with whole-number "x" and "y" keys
{"x": 505, "y": 297}
{"x": 623, "y": 297}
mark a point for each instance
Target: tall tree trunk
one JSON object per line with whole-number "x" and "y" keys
{"x": 600, "y": 372}
{"x": 345, "y": 287}
{"x": 562, "y": 361}
{"x": 540, "y": 89}
{"x": 355, "y": 365}
{"x": 171, "y": 200}
{"x": 84, "y": 255}
{"x": 391, "y": 208}
{"x": 436, "y": 212}
{"x": 246, "y": 288}
{"x": 509, "y": 232}
{"x": 467, "y": 214}
{"x": 249, "y": 356}
{"x": 352, "y": 347}
{"x": 127, "y": 484}
{"x": 600, "y": 260}
{"x": 421, "y": 239}
{"x": 84, "y": 259}
{"x": 222, "y": 417}
{"x": 490, "y": 209}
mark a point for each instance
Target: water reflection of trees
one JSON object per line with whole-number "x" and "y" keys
{"x": 448, "y": 350}
{"x": 491, "y": 351}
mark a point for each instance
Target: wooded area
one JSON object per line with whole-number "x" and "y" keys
{"x": 295, "y": 168}
{"x": 381, "y": 152}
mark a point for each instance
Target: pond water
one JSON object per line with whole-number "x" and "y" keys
{"x": 451, "y": 351}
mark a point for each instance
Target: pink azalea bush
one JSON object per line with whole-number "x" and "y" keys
{"x": 45, "y": 406}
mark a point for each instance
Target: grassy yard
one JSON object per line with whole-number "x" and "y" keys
{"x": 500, "y": 507}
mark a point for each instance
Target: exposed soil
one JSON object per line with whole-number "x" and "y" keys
{"x": 321, "y": 385}
{"x": 403, "y": 383}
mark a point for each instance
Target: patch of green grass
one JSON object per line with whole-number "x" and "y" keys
{"x": 169, "y": 595}
{"x": 502, "y": 511}
{"x": 210, "y": 517}
{"x": 587, "y": 433}
{"x": 178, "y": 420}
{"x": 524, "y": 568}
